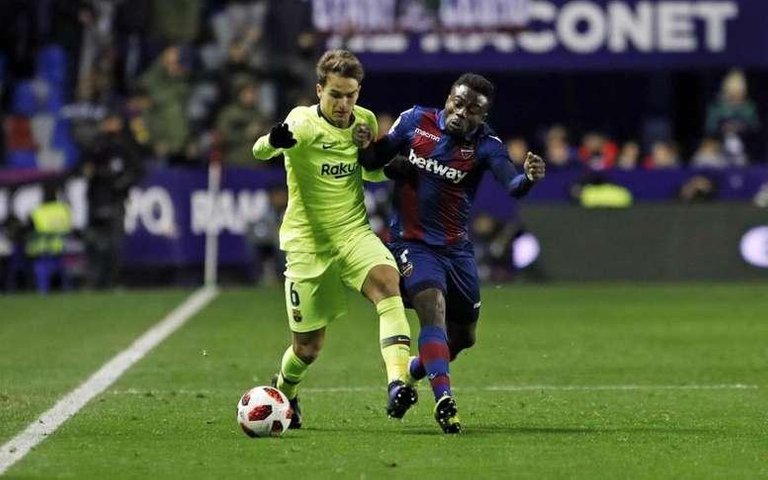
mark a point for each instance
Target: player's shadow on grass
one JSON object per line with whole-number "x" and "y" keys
{"x": 522, "y": 430}
{"x": 555, "y": 430}
{"x": 505, "y": 430}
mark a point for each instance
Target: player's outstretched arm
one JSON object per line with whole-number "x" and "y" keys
{"x": 377, "y": 154}
{"x": 503, "y": 169}
{"x": 279, "y": 138}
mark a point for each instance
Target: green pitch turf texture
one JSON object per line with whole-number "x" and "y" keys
{"x": 591, "y": 381}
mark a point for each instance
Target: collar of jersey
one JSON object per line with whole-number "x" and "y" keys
{"x": 320, "y": 114}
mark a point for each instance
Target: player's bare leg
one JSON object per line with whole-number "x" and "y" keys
{"x": 382, "y": 288}
{"x": 434, "y": 356}
{"x": 297, "y": 358}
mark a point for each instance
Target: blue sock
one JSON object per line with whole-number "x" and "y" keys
{"x": 435, "y": 356}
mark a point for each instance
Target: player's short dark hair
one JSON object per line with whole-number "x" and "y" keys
{"x": 341, "y": 62}
{"x": 478, "y": 83}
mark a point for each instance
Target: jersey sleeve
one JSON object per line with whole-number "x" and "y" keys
{"x": 374, "y": 124}
{"x": 498, "y": 161}
{"x": 298, "y": 124}
{"x": 400, "y": 132}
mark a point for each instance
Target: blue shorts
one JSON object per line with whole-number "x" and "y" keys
{"x": 451, "y": 270}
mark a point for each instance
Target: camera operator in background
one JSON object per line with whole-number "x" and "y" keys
{"x": 111, "y": 167}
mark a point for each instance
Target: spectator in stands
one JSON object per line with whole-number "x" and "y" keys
{"x": 761, "y": 197}
{"x": 240, "y": 123}
{"x": 19, "y": 35}
{"x": 710, "y": 154}
{"x": 111, "y": 167}
{"x": 293, "y": 46}
{"x": 137, "y": 108}
{"x": 167, "y": 86}
{"x": 262, "y": 238}
{"x": 558, "y": 152}
{"x": 663, "y": 155}
{"x": 733, "y": 118}
{"x": 517, "y": 147}
{"x": 598, "y": 152}
{"x": 595, "y": 191}
{"x": 236, "y": 66}
{"x": 132, "y": 24}
{"x": 69, "y": 19}
{"x": 241, "y": 24}
{"x": 698, "y": 188}
{"x": 629, "y": 156}
{"x": 176, "y": 21}
{"x": 51, "y": 224}
{"x": 14, "y": 260}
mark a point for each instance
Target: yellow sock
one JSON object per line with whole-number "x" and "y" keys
{"x": 395, "y": 337}
{"x": 292, "y": 371}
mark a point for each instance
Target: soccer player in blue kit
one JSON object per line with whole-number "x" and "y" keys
{"x": 437, "y": 158}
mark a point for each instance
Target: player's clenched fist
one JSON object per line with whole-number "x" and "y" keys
{"x": 534, "y": 167}
{"x": 280, "y": 136}
{"x": 362, "y": 136}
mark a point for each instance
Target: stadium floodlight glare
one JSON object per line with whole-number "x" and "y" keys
{"x": 754, "y": 246}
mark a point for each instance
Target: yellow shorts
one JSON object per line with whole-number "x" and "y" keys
{"x": 314, "y": 281}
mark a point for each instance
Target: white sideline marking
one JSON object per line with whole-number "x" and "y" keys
{"x": 490, "y": 388}
{"x": 16, "y": 448}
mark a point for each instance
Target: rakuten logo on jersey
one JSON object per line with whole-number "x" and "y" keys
{"x": 339, "y": 170}
{"x": 441, "y": 170}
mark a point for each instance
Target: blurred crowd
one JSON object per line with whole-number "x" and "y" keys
{"x": 104, "y": 89}
{"x": 190, "y": 78}
{"x": 731, "y": 126}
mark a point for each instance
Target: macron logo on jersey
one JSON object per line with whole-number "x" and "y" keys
{"x": 428, "y": 135}
{"x": 433, "y": 166}
{"x": 340, "y": 170}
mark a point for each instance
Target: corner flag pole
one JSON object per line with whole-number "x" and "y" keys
{"x": 212, "y": 230}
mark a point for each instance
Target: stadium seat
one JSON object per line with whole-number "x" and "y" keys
{"x": 52, "y": 160}
{"x": 54, "y": 100}
{"x": 71, "y": 154}
{"x": 21, "y": 159}
{"x": 62, "y": 140}
{"x": 61, "y": 133}
{"x": 52, "y": 64}
{"x": 24, "y": 100}
{"x": 42, "y": 130}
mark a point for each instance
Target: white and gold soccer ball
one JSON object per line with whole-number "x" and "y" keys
{"x": 264, "y": 412}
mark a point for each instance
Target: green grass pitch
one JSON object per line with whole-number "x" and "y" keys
{"x": 589, "y": 381}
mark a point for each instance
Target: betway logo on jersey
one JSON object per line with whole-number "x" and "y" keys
{"x": 338, "y": 170}
{"x": 441, "y": 170}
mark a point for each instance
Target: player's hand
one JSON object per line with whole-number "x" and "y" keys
{"x": 362, "y": 135}
{"x": 534, "y": 167}
{"x": 280, "y": 136}
{"x": 399, "y": 168}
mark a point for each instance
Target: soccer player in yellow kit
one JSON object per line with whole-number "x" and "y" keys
{"x": 325, "y": 231}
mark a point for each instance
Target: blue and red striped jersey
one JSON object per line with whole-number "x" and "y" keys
{"x": 434, "y": 206}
